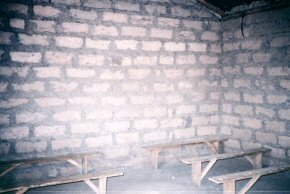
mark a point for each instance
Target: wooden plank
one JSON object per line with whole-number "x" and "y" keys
{"x": 70, "y": 179}
{"x": 49, "y": 159}
{"x": 92, "y": 186}
{"x": 224, "y": 156}
{"x": 187, "y": 142}
{"x": 249, "y": 174}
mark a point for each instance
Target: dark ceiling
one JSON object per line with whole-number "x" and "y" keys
{"x": 227, "y": 5}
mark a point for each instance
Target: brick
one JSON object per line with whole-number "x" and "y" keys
{"x": 280, "y": 42}
{"x": 173, "y": 73}
{"x": 46, "y": 11}
{"x": 244, "y": 110}
{"x": 118, "y": 60}
{"x": 198, "y": 121}
{"x": 161, "y": 33}
{"x": 99, "y": 114}
{"x": 47, "y": 72}
{"x": 267, "y": 138}
{"x": 29, "y": 87}
{"x": 251, "y": 44}
{"x": 197, "y": 25}
{"x": 243, "y": 58}
{"x": 185, "y": 85}
{"x": 82, "y": 101}
{"x": 276, "y": 99}
{"x": 166, "y": 60}
{"x": 254, "y": 70}
{"x": 102, "y": 30}
{"x": 66, "y": 143}
{"x": 126, "y": 44}
{"x": 133, "y": 31}
{"x": 138, "y": 74}
{"x": 231, "y": 46}
{"x": 98, "y": 87}
{"x": 285, "y": 84}
{"x": 57, "y": 86}
{"x": 18, "y": 71}
{"x": 80, "y": 73}
{"x": 162, "y": 87}
{"x": 225, "y": 130}
{"x": 252, "y": 123}
{"x": 98, "y": 4}
{"x": 154, "y": 9}
{"x": 184, "y": 133}
{"x": 284, "y": 141}
{"x": 265, "y": 112}
{"x": 197, "y": 96}
{"x": 210, "y": 36}
{"x": 49, "y": 131}
{"x": 142, "y": 20}
{"x": 17, "y": 23}
{"x": 13, "y": 102}
{"x": 49, "y": 102}
{"x": 197, "y": 47}
{"x": 275, "y": 126}
{"x": 27, "y": 147}
{"x": 91, "y": 60}
{"x": 208, "y": 130}
{"x": 174, "y": 46}
{"x": 227, "y": 108}
{"x": 5, "y": 37}
{"x": 277, "y": 153}
{"x": 127, "y": 113}
{"x": 141, "y": 100}
{"x": 67, "y": 2}
{"x": 30, "y": 117}
{"x": 69, "y": 42}
{"x": 4, "y": 148}
{"x": 185, "y": 60}
{"x": 3, "y": 86}
{"x": 14, "y": 133}
{"x": 14, "y": 8}
{"x": 59, "y": 58}
{"x": 117, "y": 152}
{"x": 33, "y": 40}
{"x": 278, "y": 71}
{"x": 84, "y": 128}
{"x": 195, "y": 72}
{"x": 262, "y": 57}
{"x": 253, "y": 98}
{"x": 172, "y": 123}
{"x": 115, "y": 101}
{"x": 75, "y": 27}
{"x": 242, "y": 83}
{"x": 155, "y": 112}
{"x": 115, "y": 17}
{"x": 208, "y": 108}
{"x": 168, "y": 22}
{"x": 151, "y": 45}
{"x": 231, "y": 70}
{"x": 110, "y": 75}
{"x": 235, "y": 144}
{"x": 126, "y": 6}
{"x": 43, "y": 26}
{"x": 232, "y": 96}
{"x": 210, "y": 60}
{"x": 98, "y": 44}
{"x": 185, "y": 109}
{"x": 127, "y": 138}
{"x": 25, "y": 57}
{"x": 284, "y": 114}
{"x": 84, "y": 15}
{"x": 231, "y": 120}
{"x": 145, "y": 60}
{"x": 65, "y": 116}
{"x": 117, "y": 126}
{"x": 215, "y": 48}
{"x": 145, "y": 124}
{"x": 179, "y": 11}
{"x": 155, "y": 136}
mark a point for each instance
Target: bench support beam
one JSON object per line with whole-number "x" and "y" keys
{"x": 249, "y": 185}
{"x": 198, "y": 174}
{"x": 214, "y": 146}
{"x": 154, "y": 157}
{"x": 255, "y": 160}
{"x": 12, "y": 167}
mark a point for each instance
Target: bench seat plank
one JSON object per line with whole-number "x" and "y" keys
{"x": 249, "y": 174}
{"x": 224, "y": 155}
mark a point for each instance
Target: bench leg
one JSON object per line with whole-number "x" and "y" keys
{"x": 214, "y": 146}
{"x": 196, "y": 173}
{"x": 85, "y": 164}
{"x": 22, "y": 190}
{"x": 255, "y": 160}
{"x": 154, "y": 157}
{"x": 249, "y": 185}
{"x": 103, "y": 185}
{"x": 229, "y": 187}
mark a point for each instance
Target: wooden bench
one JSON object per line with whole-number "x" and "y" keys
{"x": 86, "y": 178}
{"x": 213, "y": 142}
{"x": 254, "y": 156}
{"x": 229, "y": 180}
{"x": 71, "y": 158}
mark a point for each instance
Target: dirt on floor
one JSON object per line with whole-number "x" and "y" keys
{"x": 175, "y": 178}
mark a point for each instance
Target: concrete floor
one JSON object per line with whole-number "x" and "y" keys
{"x": 175, "y": 179}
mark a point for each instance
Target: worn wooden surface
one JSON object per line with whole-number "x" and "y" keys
{"x": 224, "y": 155}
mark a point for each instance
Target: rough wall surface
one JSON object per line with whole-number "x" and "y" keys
{"x": 82, "y": 75}
{"x": 255, "y": 85}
